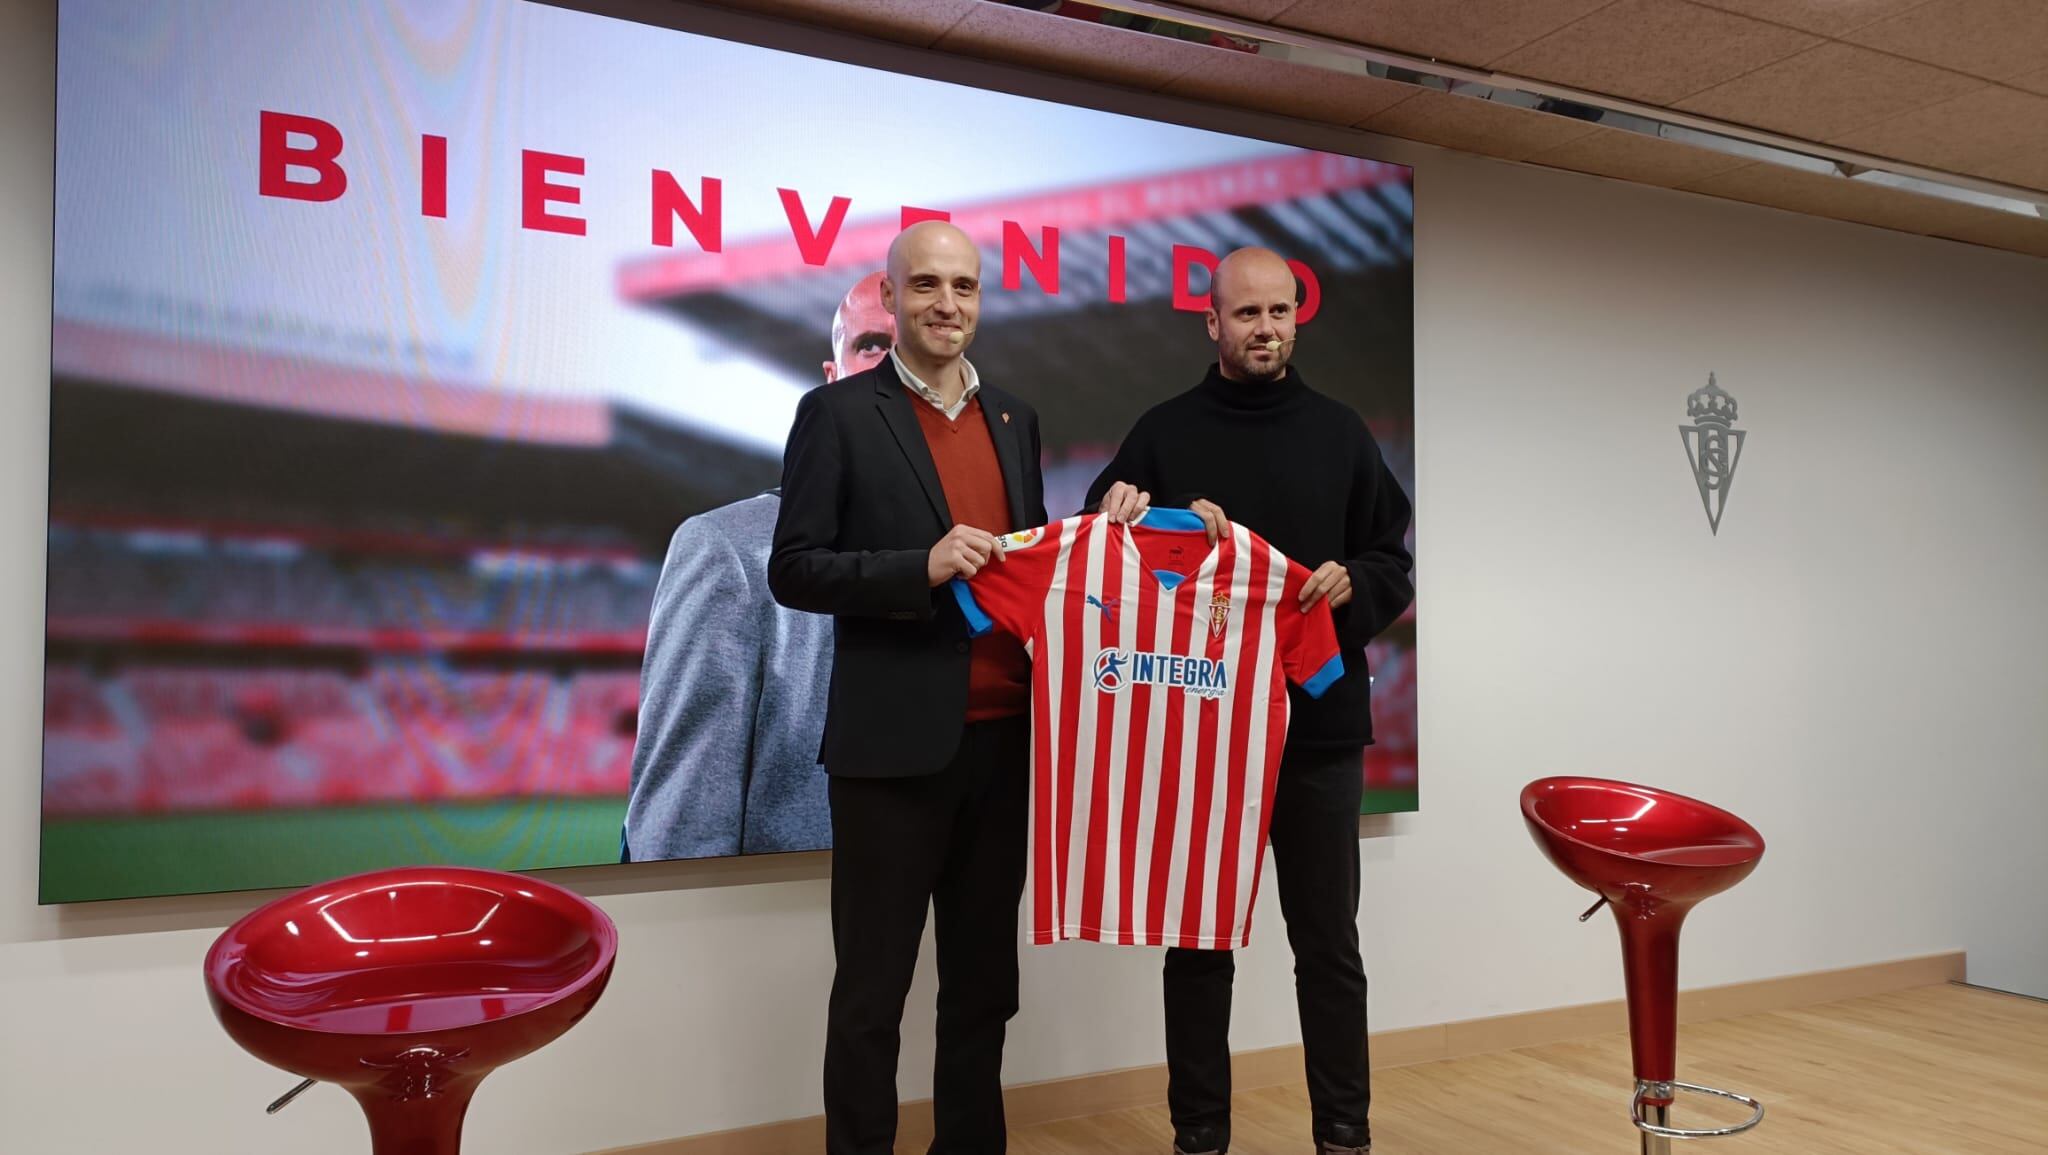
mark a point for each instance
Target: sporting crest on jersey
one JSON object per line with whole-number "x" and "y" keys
{"x": 1022, "y": 539}
{"x": 1219, "y": 614}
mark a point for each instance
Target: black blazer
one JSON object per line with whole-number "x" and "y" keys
{"x": 862, "y": 507}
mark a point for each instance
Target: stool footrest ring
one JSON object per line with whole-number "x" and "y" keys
{"x": 1664, "y": 1090}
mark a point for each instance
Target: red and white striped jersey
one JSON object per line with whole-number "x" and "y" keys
{"x": 1159, "y": 709}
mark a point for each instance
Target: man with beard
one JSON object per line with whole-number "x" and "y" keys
{"x": 1301, "y": 471}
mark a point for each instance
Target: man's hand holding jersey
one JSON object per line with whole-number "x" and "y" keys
{"x": 1331, "y": 580}
{"x": 961, "y": 553}
{"x": 1126, "y": 503}
{"x": 1212, "y": 517}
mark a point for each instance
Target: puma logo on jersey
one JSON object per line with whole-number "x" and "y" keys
{"x": 1107, "y": 607}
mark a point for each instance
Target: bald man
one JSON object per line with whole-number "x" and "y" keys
{"x": 894, "y": 482}
{"x": 1301, "y": 471}
{"x": 862, "y": 329}
{"x": 726, "y": 759}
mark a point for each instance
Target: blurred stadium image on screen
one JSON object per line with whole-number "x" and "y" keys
{"x": 358, "y": 504}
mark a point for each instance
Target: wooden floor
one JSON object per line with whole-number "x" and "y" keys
{"x": 1931, "y": 1071}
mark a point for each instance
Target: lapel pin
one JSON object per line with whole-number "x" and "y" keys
{"x": 1006, "y": 419}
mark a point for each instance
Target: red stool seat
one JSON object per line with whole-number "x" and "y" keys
{"x": 1652, "y": 856}
{"x": 406, "y": 987}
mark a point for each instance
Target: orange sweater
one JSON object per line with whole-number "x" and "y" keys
{"x": 999, "y": 680}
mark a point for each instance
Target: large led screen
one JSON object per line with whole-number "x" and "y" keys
{"x": 399, "y": 347}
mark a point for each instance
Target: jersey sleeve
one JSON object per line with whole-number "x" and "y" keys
{"x": 1009, "y": 595}
{"x": 1308, "y": 638}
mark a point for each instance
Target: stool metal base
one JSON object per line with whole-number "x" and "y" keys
{"x": 1654, "y": 1121}
{"x": 1657, "y": 1117}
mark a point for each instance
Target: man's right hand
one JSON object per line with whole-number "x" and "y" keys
{"x": 961, "y": 553}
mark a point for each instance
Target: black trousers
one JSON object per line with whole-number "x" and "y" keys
{"x": 1314, "y": 835}
{"x": 953, "y": 841}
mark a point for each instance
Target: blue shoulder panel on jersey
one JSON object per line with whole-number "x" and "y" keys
{"x": 1180, "y": 519}
{"x": 978, "y": 621}
{"x": 1331, "y": 671}
{"x": 1168, "y": 578}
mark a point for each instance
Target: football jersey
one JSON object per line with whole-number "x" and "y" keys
{"x": 1159, "y": 708}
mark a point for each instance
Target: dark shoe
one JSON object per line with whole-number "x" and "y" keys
{"x": 1200, "y": 1141}
{"x": 1345, "y": 1139}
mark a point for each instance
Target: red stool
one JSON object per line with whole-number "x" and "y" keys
{"x": 1652, "y": 856}
{"x": 406, "y": 987}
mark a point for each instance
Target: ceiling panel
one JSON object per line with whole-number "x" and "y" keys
{"x": 1829, "y": 90}
{"x": 1969, "y": 134}
{"x": 1823, "y": 17}
{"x": 1469, "y": 32}
{"x": 1998, "y": 39}
{"x": 1655, "y": 51}
{"x": 2023, "y": 158}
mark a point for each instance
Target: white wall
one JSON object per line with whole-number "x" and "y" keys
{"x": 1854, "y": 663}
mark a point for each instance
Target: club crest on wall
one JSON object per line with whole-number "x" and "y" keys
{"x": 1713, "y": 445}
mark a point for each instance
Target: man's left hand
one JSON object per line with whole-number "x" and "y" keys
{"x": 1331, "y": 580}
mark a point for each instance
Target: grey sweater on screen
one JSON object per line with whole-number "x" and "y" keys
{"x": 732, "y": 701}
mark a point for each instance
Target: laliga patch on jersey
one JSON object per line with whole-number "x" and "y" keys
{"x": 1022, "y": 539}
{"x": 1118, "y": 670}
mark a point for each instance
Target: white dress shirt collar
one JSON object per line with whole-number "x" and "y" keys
{"x": 931, "y": 395}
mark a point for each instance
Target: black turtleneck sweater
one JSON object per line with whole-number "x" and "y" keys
{"x": 1300, "y": 470}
